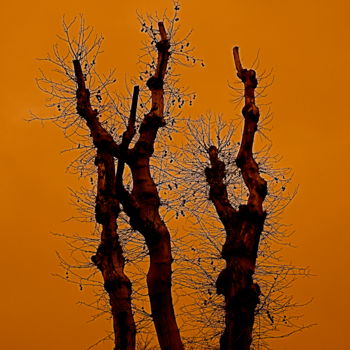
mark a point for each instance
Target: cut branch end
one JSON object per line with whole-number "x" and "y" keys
{"x": 237, "y": 60}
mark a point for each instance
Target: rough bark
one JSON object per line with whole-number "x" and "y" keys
{"x": 243, "y": 226}
{"x": 109, "y": 257}
{"x": 142, "y": 206}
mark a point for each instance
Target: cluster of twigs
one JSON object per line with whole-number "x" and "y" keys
{"x": 180, "y": 178}
{"x": 276, "y": 315}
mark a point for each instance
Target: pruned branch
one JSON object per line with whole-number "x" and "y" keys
{"x": 215, "y": 175}
{"x": 102, "y": 139}
{"x": 128, "y": 135}
{"x": 237, "y": 60}
{"x": 243, "y": 227}
{"x": 245, "y": 161}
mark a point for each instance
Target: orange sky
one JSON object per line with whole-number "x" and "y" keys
{"x": 305, "y": 42}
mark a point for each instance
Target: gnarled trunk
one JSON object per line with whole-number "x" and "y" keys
{"x": 243, "y": 226}
{"x": 109, "y": 256}
{"x": 142, "y": 206}
{"x": 157, "y": 238}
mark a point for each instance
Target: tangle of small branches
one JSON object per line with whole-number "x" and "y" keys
{"x": 179, "y": 174}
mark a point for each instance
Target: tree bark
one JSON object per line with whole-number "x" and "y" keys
{"x": 142, "y": 206}
{"x": 243, "y": 226}
{"x": 109, "y": 257}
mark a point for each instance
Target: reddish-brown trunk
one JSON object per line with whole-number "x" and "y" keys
{"x": 142, "y": 206}
{"x": 243, "y": 226}
{"x": 109, "y": 256}
{"x": 157, "y": 237}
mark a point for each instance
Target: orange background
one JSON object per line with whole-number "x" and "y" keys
{"x": 305, "y": 42}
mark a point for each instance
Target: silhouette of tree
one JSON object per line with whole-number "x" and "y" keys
{"x": 144, "y": 181}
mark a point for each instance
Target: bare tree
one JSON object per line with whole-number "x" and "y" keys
{"x": 243, "y": 226}
{"x": 141, "y": 204}
{"x": 139, "y": 190}
{"x": 227, "y": 172}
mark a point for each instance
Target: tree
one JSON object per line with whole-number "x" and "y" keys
{"x": 243, "y": 227}
{"x": 127, "y": 166}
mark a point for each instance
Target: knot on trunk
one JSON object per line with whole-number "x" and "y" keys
{"x": 248, "y": 77}
{"x": 154, "y": 83}
{"x": 251, "y": 81}
{"x": 163, "y": 45}
{"x": 152, "y": 121}
{"x": 251, "y": 111}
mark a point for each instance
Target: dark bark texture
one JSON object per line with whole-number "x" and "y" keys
{"x": 109, "y": 257}
{"x": 141, "y": 205}
{"x": 243, "y": 226}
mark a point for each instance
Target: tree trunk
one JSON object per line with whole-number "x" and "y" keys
{"x": 109, "y": 256}
{"x": 157, "y": 238}
{"x": 142, "y": 206}
{"x": 243, "y": 226}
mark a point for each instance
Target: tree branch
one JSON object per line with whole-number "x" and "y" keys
{"x": 128, "y": 135}
{"x": 146, "y": 218}
{"x": 237, "y": 60}
{"x": 215, "y": 176}
{"x": 243, "y": 227}
{"x": 101, "y": 138}
{"x": 245, "y": 161}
